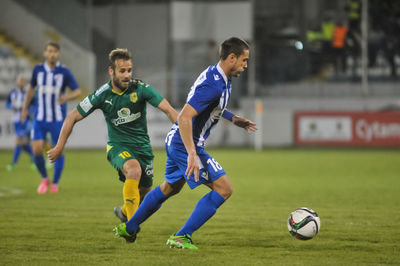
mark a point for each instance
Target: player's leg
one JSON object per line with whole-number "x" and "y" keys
{"x": 132, "y": 172}
{"x": 151, "y": 203}
{"x": 28, "y": 149}
{"x": 17, "y": 148}
{"x": 38, "y": 132}
{"x": 121, "y": 214}
{"x": 24, "y": 137}
{"x": 208, "y": 204}
{"x": 172, "y": 185}
{"x": 55, "y": 129}
{"x": 146, "y": 180}
{"x": 26, "y": 145}
{"x": 143, "y": 192}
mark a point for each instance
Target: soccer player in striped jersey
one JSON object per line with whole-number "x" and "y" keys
{"x": 123, "y": 101}
{"x": 15, "y": 101}
{"x": 187, "y": 161}
{"x": 50, "y": 81}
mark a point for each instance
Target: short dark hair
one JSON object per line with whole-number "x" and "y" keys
{"x": 233, "y": 45}
{"x": 119, "y": 53}
{"x": 54, "y": 44}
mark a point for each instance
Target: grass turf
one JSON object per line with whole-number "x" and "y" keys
{"x": 355, "y": 192}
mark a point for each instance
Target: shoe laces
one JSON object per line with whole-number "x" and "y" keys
{"x": 185, "y": 238}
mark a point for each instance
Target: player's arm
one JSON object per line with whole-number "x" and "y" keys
{"x": 75, "y": 91}
{"x": 28, "y": 98}
{"x": 66, "y": 130}
{"x": 186, "y": 130}
{"x": 168, "y": 110}
{"x": 248, "y": 125}
{"x": 70, "y": 96}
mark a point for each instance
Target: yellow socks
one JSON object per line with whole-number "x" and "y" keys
{"x": 131, "y": 197}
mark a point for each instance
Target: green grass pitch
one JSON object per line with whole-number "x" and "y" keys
{"x": 356, "y": 193}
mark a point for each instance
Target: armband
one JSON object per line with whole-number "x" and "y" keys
{"x": 227, "y": 115}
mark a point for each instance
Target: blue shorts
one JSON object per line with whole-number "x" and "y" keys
{"x": 210, "y": 170}
{"x": 22, "y": 130}
{"x": 40, "y": 129}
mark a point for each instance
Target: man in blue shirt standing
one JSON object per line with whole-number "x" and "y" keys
{"x": 187, "y": 161}
{"x": 15, "y": 101}
{"x": 50, "y": 79}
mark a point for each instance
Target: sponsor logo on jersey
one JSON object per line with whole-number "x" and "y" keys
{"x": 125, "y": 116}
{"x": 133, "y": 96}
{"x": 107, "y": 101}
{"x": 216, "y": 77}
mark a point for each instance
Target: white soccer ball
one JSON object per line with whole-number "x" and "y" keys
{"x": 304, "y": 223}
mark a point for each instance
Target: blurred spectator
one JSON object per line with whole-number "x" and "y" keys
{"x": 319, "y": 42}
{"x": 354, "y": 15}
{"x": 339, "y": 47}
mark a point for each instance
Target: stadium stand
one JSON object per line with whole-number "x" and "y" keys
{"x": 14, "y": 60}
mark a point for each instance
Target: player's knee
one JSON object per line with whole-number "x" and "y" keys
{"x": 223, "y": 187}
{"x": 37, "y": 150}
{"x": 171, "y": 189}
{"x": 227, "y": 191}
{"x": 132, "y": 170}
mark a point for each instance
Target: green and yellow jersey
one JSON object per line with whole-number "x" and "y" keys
{"x": 125, "y": 112}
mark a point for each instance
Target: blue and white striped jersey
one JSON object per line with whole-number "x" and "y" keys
{"x": 15, "y": 102}
{"x": 209, "y": 96}
{"x": 51, "y": 84}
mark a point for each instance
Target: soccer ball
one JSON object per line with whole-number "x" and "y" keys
{"x": 304, "y": 223}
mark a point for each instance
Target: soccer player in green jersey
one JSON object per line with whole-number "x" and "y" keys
{"x": 123, "y": 103}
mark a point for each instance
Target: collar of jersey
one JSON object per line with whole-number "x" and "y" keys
{"x": 222, "y": 73}
{"x": 47, "y": 67}
{"x": 119, "y": 93}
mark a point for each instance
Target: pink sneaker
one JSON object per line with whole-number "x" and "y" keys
{"x": 54, "y": 188}
{"x": 42, "y": 189}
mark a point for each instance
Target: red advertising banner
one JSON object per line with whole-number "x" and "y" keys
{"x": 379, "y": 129}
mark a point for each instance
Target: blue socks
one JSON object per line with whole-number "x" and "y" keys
{"x": 28, "y": 149}
{"x": 58, "y": 167}
{"x": 40, "y": 165}
{"x": 204, "y": 210}
{"x": 17, "y": 152}
{"x": 150, "y": 204}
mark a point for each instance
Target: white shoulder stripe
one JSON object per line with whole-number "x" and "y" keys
{"x": 199, "y": 81}
{"x": 102, "y": 88}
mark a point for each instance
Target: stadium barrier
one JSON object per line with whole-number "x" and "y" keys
{"x": 369, "y": 129}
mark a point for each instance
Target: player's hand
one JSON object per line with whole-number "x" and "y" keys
{"x": 62, "y": 99}
{"x": 24, "y": 114}
{"x": 248, "y": 125}
{"x": 54, "y": 153}
{"x": 193, "y": 167}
